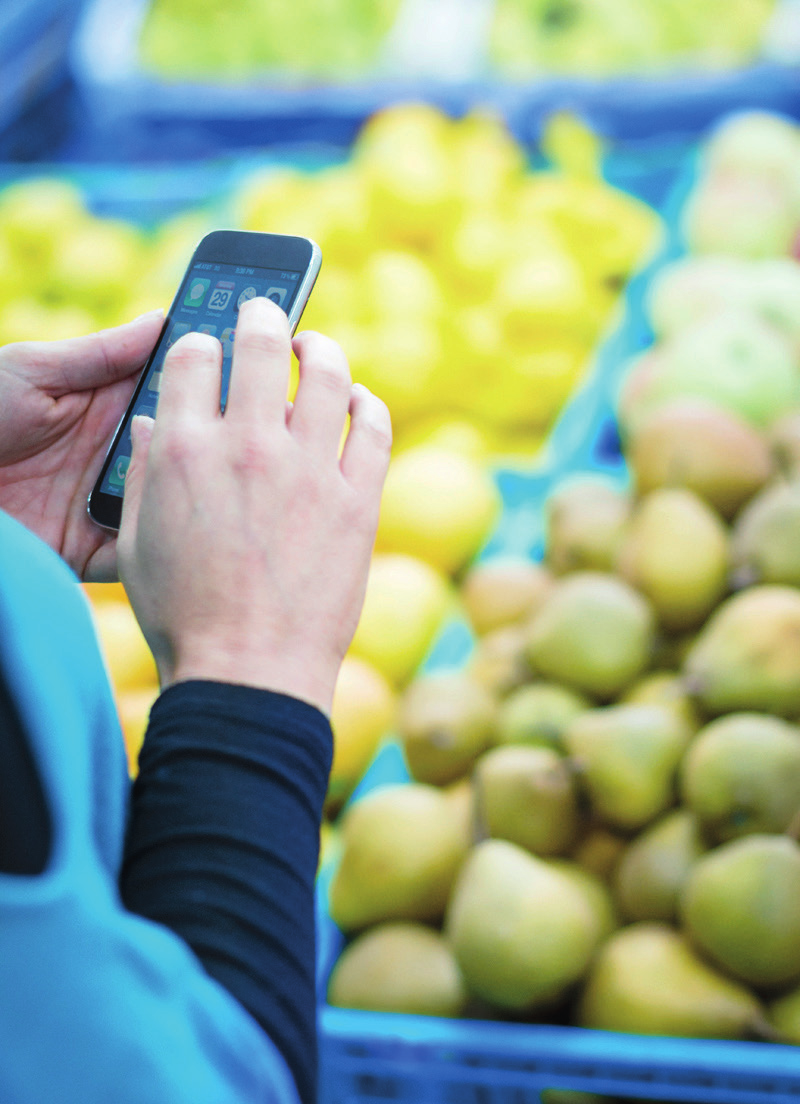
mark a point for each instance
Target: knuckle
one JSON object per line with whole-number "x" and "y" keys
{"x": 191, "y": 348}
{"x": 260, "y": 343}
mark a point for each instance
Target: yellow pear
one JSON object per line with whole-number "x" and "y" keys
{"x": 690, "y": 442}
{"x": 627, "y": 757}
{"x": 742, "y": 775}
{"x": 399, "y": 966}
{"x": 741, "y": 907}
{"x": 594, "y": 633}
{"x": 585, "y": 518}
{"x": 503, "y": 590}
{"x": 439, "y": 505}
{"x": 499, "y": 660}
{"x": 522, "y": 931}
{"x": 537, "y": 714}
{"x": 675, "y": 551}
{"x": 527, "y": 795}
{"x": 445, "y": 720}
{"x": 364, "y": 705}
{"x": 765, "y": 537}
{"x": 653, "y": 868}
{"x": 405, "y": 605}
{"x": 747, "y": 655}
{"x": 401, "y": 847}
{"x": 647, "y": 980}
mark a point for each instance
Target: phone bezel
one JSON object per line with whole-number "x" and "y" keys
{"x": 243, "y": 247}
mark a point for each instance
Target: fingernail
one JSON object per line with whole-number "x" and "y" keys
{"x": 158, "y": 312}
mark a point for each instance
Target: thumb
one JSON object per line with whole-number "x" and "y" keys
{"x": 141, "y": 434}
{"x": 83, "y": 363}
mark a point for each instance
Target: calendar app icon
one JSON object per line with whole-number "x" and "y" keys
{"x": 221, "y": 295}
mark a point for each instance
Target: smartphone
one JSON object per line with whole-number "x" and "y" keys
{"x": 227, "y": 268}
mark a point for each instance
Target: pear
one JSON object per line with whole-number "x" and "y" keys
{"x": 445, "y": 720}
{"x": 742, "y": 775}
{"x": 499, "y": 661}
{"x": 594, "y": 633}
{"x": 522, "y": 931}
{"x": 585, "y": 518}
{"x": 647, "y": 980}
{"x": 527, "y": 795}
{"x": 651, "y": 872}
{"x": 741, "y": 907}
{"x": 503, "y": 590}
{"x": 747, "y": 655}
{"x": 538, "y": 714}
{"x": 400, "y": 966}
{"x": 691, "y": 442}
{"x": 664, "y": 688}
{"x": 675, "y": 551}
{"x": 627, "y": 757}
{"x": 765, "y": 543}
{"x": 401, "y": 848}
{"x": 597, "y": 893}
{"x": 599, "y": 850}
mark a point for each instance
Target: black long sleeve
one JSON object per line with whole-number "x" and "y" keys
{"x": 222, "y": 847}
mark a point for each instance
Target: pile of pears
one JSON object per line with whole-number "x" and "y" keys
{"x": 601, "y": 824}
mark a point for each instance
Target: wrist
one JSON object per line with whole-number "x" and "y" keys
{"x": 296, "y": 676}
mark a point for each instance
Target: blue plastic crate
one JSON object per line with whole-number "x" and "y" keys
{"x": 35, "y": 40}
{"x": 371, "y": 1058}
{"x": 129, "y": 114}
{"x": 368, "y": 1057}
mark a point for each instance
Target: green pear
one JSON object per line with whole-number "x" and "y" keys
{"x": 502, "y": 591}
{"x": 585, "y": 517}
{"x": 594, "y": 633}
{"x": 527, "y": 795}
{"x": 523, "y": 932}
{"x": 401, "y": 966}
{"x": 445, "y": 719}
{"x": 401, "y": 848}
{"x": 650, "y": 874}
{"x": 747, "y": 655}
{"x": 664, "y": 688}
{"x": 675, "y": 551}
{"x": 597, "y": 892}
{"x": 742, "y": 775}
{"x": 765, "y": 542}
{"x": 537, "y": 714}
{"x": 741, "y": 907}
{"x": 691, "y": 442}
{"x": 627, "y": 757}
{"x": 499, "y": 661}
{"x": 647, "y": 980}
{"x": 735, "y": 359}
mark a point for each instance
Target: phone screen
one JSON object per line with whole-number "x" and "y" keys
{"x": 208, "y": 301}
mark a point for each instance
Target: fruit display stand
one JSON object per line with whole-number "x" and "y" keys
{"x": 368, "y": 1056}
{"x": 434, "y": 50}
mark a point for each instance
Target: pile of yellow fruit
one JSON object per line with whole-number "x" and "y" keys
{"x": 468, "y": 290}
{"x": 603, "y": 816}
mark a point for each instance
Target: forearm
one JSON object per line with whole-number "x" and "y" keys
{"x": 223, "y": 843}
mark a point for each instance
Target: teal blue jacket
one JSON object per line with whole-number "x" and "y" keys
{"x": 97, "y": 1005}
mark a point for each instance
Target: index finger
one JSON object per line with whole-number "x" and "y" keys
{"x": 261, "y": 357}
{"x": 191, "y": 378}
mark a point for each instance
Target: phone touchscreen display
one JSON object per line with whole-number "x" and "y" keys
{"x": 208, "y": 302}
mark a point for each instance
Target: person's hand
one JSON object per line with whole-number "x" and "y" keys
{"x": 246, "y": 538}
{"x": 60, "y": 402}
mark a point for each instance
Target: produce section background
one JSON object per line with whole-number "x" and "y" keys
{"x": 504, "y": 205}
